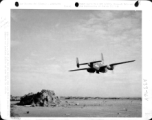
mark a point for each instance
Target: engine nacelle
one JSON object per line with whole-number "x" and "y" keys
{"x": 110, "y": 67}
{"x": 90, "y": 64}
{"x": 103, "y": 70}
{"x": 91, "y": 70}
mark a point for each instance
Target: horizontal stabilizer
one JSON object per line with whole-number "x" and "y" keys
{"x": 95, "y": 61}
{"x": 83, "y": 64}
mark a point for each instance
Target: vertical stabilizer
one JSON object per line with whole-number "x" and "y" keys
{"x": 102, "y": 59}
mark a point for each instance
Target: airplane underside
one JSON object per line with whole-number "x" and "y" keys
{"x": 92, "y": 70}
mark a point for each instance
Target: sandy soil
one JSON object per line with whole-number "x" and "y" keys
{"x": 84, "y": 108}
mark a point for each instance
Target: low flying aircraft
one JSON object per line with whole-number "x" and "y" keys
{"x": 98, "y": 66}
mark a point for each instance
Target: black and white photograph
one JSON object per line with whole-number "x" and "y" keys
{"x": 75, "y": 63}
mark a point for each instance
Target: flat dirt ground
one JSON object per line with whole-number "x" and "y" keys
{"x": 84, "y": 108}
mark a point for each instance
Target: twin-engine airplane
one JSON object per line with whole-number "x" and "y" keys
{"x": 98, "y": 66}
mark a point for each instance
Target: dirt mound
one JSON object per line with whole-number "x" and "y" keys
{"x": 43, "y": 98}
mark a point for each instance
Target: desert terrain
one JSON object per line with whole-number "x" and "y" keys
{"x": 82, "y": 107}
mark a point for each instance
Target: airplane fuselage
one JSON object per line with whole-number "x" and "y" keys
{"x": 97, "y": 67}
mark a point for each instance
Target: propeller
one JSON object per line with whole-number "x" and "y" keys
{"x": 77, "y": 62}
{"x": 111, "y": 67}
{"x": 112, "y": 71}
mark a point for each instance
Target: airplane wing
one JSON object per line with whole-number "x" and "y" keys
{"x": 79, "y": 69}
{"x": 121, "y": 63}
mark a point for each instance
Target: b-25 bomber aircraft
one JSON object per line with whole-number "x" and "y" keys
{"x": 98, "y": 66}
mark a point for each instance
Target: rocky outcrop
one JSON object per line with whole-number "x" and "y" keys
{"x": 43, "y": 98}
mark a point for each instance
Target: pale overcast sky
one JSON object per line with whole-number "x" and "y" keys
{"x": 45, "y": 44}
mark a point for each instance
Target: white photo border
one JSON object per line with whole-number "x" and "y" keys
{"x": 144, "y": 6}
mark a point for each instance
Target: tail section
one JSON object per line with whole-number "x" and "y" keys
{"x": 102, "y": 59}
{"x": 77, "y": 62}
